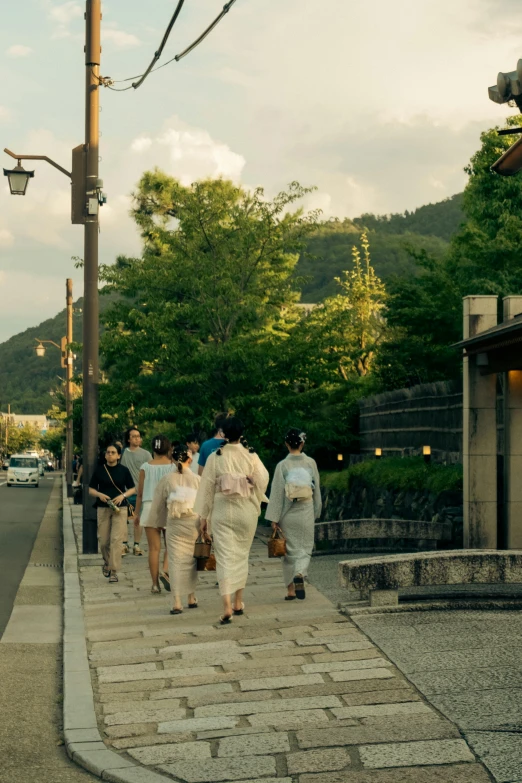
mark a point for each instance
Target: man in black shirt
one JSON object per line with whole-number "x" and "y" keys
{"x": 111, "y": 484}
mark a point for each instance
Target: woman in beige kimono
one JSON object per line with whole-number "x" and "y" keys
{"x": 229, "y": 500}
{"x": 173, "y": 505}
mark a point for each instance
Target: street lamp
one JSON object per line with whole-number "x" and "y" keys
{"x": 86, "y": 199}
{"x": 18, "y": 179}
{"x": 40, "y": 350}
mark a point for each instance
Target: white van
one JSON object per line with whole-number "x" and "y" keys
{"x": 23, "y": 471}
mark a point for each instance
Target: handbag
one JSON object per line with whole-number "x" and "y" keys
{"x": 277, "y": 544}
{"x": 129, "y": 506}
{"x": 209, "y": 564}
{"x": 202, "y": 548}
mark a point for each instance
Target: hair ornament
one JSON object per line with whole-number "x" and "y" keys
{"x": 302, "y": 435}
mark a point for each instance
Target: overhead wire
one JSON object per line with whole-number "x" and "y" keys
{"x": 106, "y": 81}
{"x": 162, "y": 45}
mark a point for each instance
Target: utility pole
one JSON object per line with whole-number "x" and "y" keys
{"x": 91, "y": 229}
{"x": 69, "y": 448}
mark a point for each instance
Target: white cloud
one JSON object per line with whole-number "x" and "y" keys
{"x": 141, "y": 144}
{"x": 66, "y": 12}
{"x": 19, "y": 50}
{"x": 119, "y": 38}
{"x": 188, "y": 153}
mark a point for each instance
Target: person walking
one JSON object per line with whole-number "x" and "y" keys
{"x": 173, "y": 504}
{"x": 192, "y": 443}
{"x": 133, "y": 458}
{"x": 112, "y": 485}
{"x": 211, "y": 445}
{"x": 294, "y": 505}
{"x": 150, "y": 475}
{"x": 229, "y": 500}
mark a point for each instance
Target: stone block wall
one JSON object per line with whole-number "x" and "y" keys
{"x": 362, "y": 502}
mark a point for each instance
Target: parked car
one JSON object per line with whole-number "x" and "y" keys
{"x": 23, "y": 471}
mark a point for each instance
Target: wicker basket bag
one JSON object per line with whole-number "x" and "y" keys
{"x": 277, "y": 544}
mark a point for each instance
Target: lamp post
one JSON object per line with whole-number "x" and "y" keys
{"x": 86, "y": 199}
{"x": 67, "y": 359}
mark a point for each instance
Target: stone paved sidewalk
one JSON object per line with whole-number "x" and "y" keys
{"x": 291, "y": 692}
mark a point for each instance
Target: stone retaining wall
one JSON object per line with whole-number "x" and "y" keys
{"x": 361, "y": 502}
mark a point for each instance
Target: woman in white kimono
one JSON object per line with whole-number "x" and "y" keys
{"x": 295, "y": 504}
{"x": 229, "y": 500}
{"x": 173, "y": 506}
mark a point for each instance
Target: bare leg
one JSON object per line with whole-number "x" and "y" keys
{"x": 176, "y": 604}
{"x": 165, "y": 554}
{"x": 154, "y": 541}
{"x": 138, "y": 530}
{"x": 192, "y": 598}
{"x": 227, "y": 606}
{"x": 238, "y": 600}
{"x": 291, "y": 589}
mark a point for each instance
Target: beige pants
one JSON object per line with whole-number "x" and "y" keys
{"x": 112, "y": 527}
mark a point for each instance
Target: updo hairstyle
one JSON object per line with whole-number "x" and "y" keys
{"x": 294, "y": 437}
{"x": 160, "y": 445}
{"x": 180, "y": 454}
{"x": 233, "y": 431}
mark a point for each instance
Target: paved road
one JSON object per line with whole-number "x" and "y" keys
{"x": 21, "y": 512}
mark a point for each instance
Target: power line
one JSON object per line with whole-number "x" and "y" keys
{"x": 106, "y": 81}
{"x": 157, "y": 54}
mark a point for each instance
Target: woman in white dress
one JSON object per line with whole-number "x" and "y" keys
{"x": 150, "y": 475}
{"x": 173, "y": 505}
{"x": 295, "y": 503}
{"x": 229, "y": 500}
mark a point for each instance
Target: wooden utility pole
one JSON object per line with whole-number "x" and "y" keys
{"x": 90, "y": 291}
{"x": 69, "y": 448}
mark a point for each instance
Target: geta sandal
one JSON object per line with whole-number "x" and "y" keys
{"x": 226, "y": 619}
{"x": 299, "y": 587}
{"x": 193, "y": 606}
{"x": 239, "y": 612}
{"x": 290, "y": 597}
{"x": 176, "y": 611}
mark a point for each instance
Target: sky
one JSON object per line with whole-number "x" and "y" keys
{"x": 379, "y": 105}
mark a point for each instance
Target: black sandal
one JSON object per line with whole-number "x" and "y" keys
{"x": 225, "y": 619}
{"x": 241, "y": 611}
{"x": 176, "y": 611}
{"x": 290, "y": 597}
{"x": 299, "y": 587}
{"x": 193, "y": 606}
{"x": 165, "y": 581}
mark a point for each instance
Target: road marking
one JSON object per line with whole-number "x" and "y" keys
{"x": 2, "y": 483}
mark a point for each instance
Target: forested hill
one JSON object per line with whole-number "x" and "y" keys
{"x": 25, "y": 380}
{"x": 329, "y": 251}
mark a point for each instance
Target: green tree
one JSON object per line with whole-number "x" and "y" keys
{"x": 346, "y": 329}
{"x": 54, "y": 440}
{"x": 21, "y": 439}
{"x": 205, "y": 313}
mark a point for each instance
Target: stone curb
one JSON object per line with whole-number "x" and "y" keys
{"x": 352, "y": 610}
{"x": 83, "y": 741}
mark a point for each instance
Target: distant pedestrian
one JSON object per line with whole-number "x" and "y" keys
{"x": 295, "y": 503}
{"x": 150, "y": 475}
{"x": 229, "y": 501}
{"x": 112, "y": 485}
{"x": 173, "y": 505}
{"x": 211, "y": 445}
{"x": 192, "y": 443}
{"x": 133, "y": 458}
